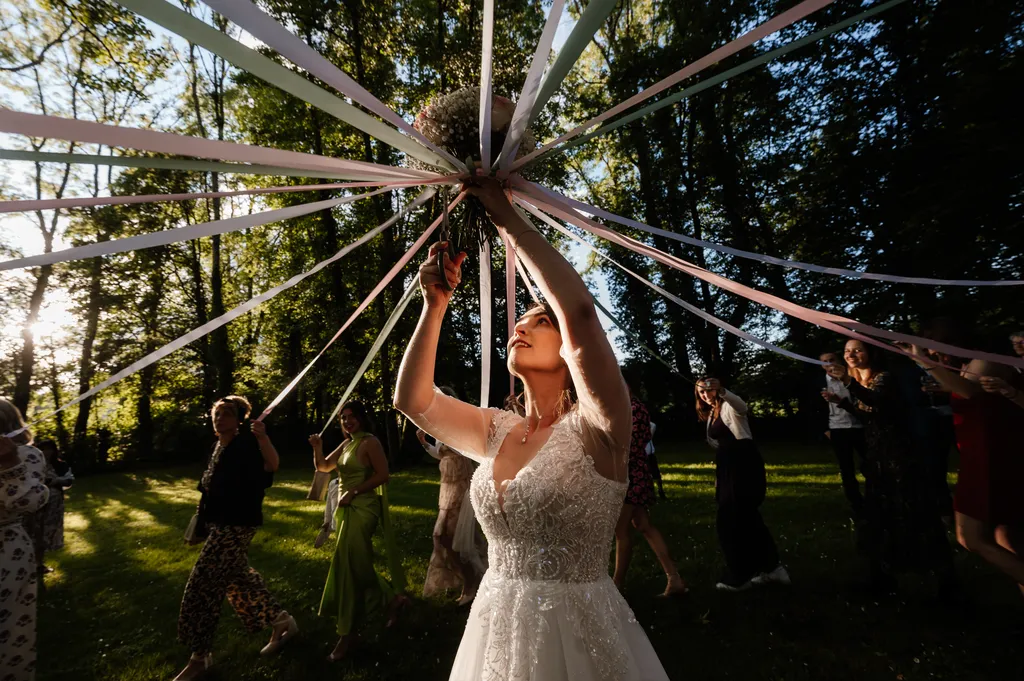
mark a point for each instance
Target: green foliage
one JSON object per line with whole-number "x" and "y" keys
{"x": 889, "y": 147}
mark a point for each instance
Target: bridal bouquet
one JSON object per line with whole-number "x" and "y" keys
{"x": 452, "y": 122}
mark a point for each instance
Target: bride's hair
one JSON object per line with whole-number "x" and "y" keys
{"x": 568, "y": 399}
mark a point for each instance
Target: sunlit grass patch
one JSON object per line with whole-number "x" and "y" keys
{"x": 111, "y": 606}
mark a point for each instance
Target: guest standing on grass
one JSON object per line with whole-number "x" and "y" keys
{"x": 22, "y": 491}
{"x": 751, "y": 558}
{"x": 845, "y": 433}
{"x": 902, "y": 528}
{"x": 635, "y": 512}
{"x": 241, "y": 468}
{"x": 355, "y": 591}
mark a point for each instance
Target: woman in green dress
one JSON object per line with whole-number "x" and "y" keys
{"x": 354, "y": 591}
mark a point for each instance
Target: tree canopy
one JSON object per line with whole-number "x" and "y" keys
{"x": 889, "y": 147}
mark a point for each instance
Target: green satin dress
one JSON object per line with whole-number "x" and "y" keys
{"x": 355, "y": 591}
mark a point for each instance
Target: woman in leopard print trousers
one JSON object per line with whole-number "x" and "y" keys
{"x": 241, "y": 468}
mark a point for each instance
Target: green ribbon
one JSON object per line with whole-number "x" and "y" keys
{"x": 725, "y": 75}
{"x": 580, "y": 36}
{"x": 206, "y": 36}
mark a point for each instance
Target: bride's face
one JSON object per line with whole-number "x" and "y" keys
{"x": 536, "y": 345}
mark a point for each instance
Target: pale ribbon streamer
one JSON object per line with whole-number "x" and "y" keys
{"x": 711, "y": 319}
{"x": 220, "y": 321}
{"x": 41, "y": 125}
{"x": 580, "y": 36}
{"x": 378, "y": 343}
{"x": 825, "y": 320}
{"x": 486, "y": 73}
{"x": 24, "y": 205}
{"x": 525, "y": 274}
{"x": 162, "y": 163}
{"x": 200, "y": 33}
{"x": 362, "y": 306}
{"x": 722, "y": 77}
{"x": 510, "y": 301}
{"x": 750, "y": 37}
{"x": 531, "y": 88}
{"x": 636, "y": 339}
{"x": 170, "y": 236}
{"x": 264, "y": 27}
{"x": 486, "y": 317}
{"x": 836, "y": 271}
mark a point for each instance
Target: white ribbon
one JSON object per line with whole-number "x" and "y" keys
{"x": 266, "y": 28}
{"x": 832, "y": 322}
{"x": 486, "y": 329}
{"x": 580, "y": 36}
{"x": 417, "y": 245}
{"x": 711, "y": 319}
{"x": 220, "y": 321}
{"x": 24, "y": 205}
{"x": 385, "y": 331}
{"x": 531, "y": 88}
{"x": 749, "y": 38}
{"x": 170, "y": 236}
{"x": 200, "y": 33}
{"x": 164, "y": 163}
{"x": 510, "y": 301}
{"x": 88, "y": 132}
{"x": 486, "y": 65}
{"x": 837, "y": 271}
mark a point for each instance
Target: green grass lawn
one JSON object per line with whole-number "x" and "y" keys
{"x": 110, "y": 608}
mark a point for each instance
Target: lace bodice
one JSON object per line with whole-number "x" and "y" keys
{"x": 559, "y": 512}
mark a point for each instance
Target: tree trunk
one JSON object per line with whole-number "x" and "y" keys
{"x": 202, "y": 344}
{"x": 85, "y": 363}
{"x": 62, "y": 431}
{"x": 27, "y": 356}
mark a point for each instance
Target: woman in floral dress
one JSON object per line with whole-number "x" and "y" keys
{"x": 22, "y": 491}
{"x": 635, "y": 511}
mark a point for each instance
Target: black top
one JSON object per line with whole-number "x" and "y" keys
{"x": 720, "y": 432}
{"x": 237, "y": 484}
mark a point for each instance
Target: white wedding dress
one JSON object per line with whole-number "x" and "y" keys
{"x": 546, "y": 609}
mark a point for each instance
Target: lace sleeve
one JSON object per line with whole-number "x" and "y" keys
{"x": 604, "y": 412}
{"x": 462, "y": 426}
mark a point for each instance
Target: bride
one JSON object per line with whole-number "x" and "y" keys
{"x": 550, "y": 485}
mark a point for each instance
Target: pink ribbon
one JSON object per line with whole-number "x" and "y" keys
{"x": 89, "y": 202}
{"x": 749, "y": 38}
{"x": 417, "y": 245}
{"x": 825, "y": 320}
{"x": 855, "y": 274}
{"x": 39, "y": 125}
{"x": 711, "y": 319}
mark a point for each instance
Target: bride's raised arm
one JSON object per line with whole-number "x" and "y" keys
{"x": 603, "y": 397}
{"x": 459, "y": 425}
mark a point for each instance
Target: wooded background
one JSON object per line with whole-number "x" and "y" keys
{"x": 892, "y": 147}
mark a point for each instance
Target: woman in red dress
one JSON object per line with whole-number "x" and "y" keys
{"x": 989, "y": 511}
